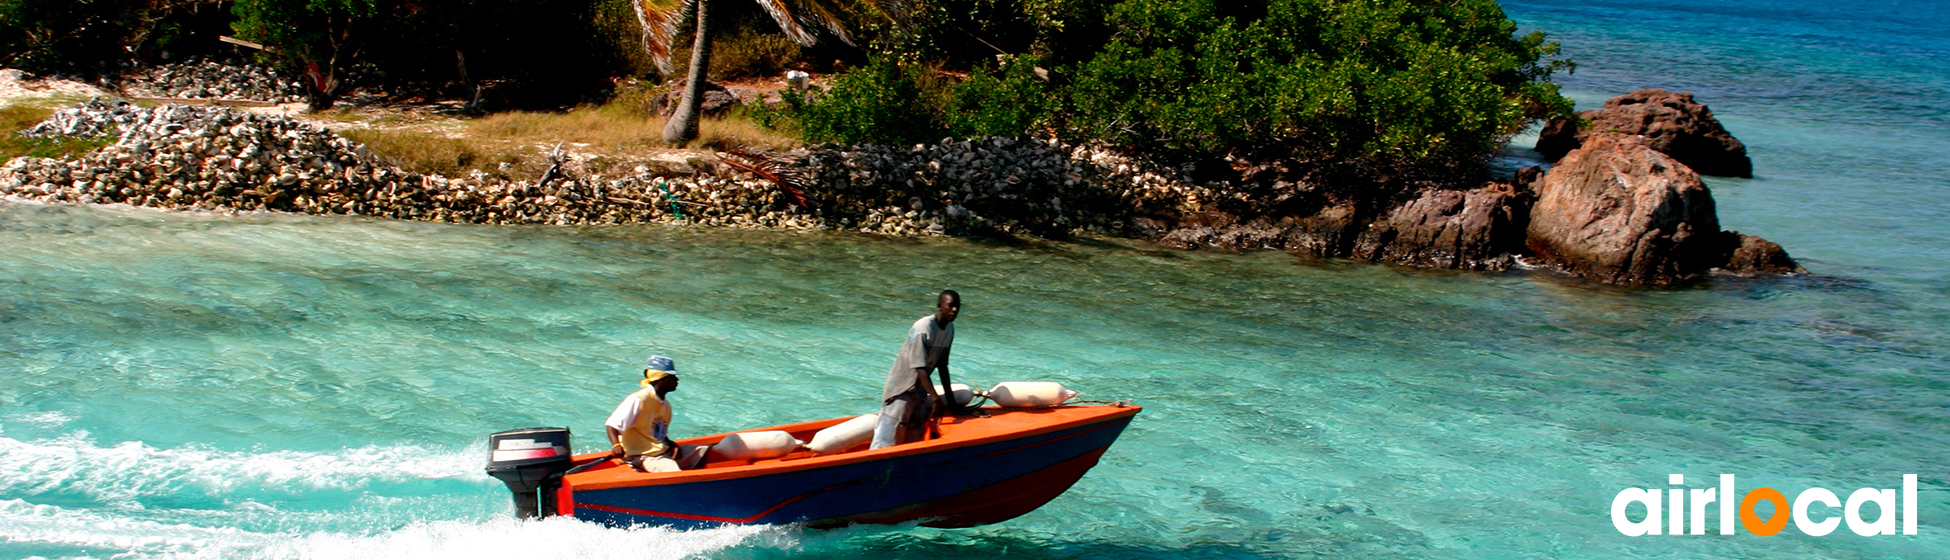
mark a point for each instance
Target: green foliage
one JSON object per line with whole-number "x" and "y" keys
{"x": 314, "y": 38}
{"x": 1382, "y": 83}
{"x": 883, "y": 102}
{"x": 886, "y": 102}
{"x": 1008, "y": 100}
{"x": 313, "y": 29}
{"x": 1315, "y": 79}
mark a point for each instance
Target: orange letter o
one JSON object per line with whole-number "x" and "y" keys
{"x": 1752, "y": 522}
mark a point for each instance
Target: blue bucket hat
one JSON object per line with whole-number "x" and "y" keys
{"x": 660, "y": 362}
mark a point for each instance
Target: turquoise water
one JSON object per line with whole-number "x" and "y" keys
{"x": 285, "y": 386}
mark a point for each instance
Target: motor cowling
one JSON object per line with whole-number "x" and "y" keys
{"x": 531, "y": 462}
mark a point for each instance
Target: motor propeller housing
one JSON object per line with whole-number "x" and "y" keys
{"x": 530, "y": 461}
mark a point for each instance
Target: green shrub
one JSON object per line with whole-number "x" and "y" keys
{"x": 1004, "y": 101}
{"x": 883, "y": 102}
{"x": 1385, "y": 80}
{"x": 886, "y": 102}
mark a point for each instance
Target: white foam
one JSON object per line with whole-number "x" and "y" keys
{"x": 23, "y": 522}
{"x": 125, "y": 472}
{"x": 47, "y": 419}
{"x": 505, "y": 537}
{"x": 498, "y": 537}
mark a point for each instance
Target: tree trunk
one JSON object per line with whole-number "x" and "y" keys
{"x": 325, "y": 81}
{"x": 682, "y": 127}
{"x": 473, "y": 106}
{"x": 324, "y": 87}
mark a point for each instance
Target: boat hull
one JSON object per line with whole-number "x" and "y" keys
{"x": 982, "y": 470}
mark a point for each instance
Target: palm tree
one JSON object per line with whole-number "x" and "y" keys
{"x": 800, "y": 19}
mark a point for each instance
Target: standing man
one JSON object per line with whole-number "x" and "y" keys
{"x": 639, "y": 429}
{"x": 909, "y": 400}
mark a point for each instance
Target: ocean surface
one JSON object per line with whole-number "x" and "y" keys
{"x": 271, "y": 386}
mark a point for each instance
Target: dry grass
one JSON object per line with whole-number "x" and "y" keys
{"x": 619, "y": 134}
{"x": 342, "y": 114}
{"x": 592, "y": 127}
{"x": 621, "y": 128}
{"x": 740, "y": 130}
{"x": 427, "y": 152}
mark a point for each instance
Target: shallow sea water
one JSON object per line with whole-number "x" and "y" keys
{"x": 299, "y": 387}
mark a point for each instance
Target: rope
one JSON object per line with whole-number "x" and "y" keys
{"x": 675, "y": 209}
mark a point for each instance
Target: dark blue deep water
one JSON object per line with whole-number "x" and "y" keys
{"x": 176, "y": 385}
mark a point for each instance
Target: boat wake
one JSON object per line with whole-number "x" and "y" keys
{"x": 69, "y": 496}
{"x": 40, "y": 530}
{"x": 127, "y": 474}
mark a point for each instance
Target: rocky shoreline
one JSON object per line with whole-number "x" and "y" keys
{"x": 1620, "y": 206}
{"x": 221, "y": 160}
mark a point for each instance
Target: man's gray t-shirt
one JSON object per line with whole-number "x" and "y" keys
{"x": 924, "y": 335}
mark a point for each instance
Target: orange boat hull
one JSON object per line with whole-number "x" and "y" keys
{"x": 984, "y": 468}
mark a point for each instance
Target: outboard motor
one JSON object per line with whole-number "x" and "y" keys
{"x": 529, "y": 460}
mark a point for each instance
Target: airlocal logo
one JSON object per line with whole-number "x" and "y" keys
{"x": 1802, "y": 511}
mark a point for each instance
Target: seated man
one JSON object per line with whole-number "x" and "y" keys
{"x": 639, "y": 429}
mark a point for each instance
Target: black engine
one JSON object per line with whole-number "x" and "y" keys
{"x": 531, "y": 462}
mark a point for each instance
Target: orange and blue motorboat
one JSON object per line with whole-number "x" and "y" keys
{"x": 985, "y": 467}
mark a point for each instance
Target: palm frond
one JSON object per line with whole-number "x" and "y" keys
{"x": 771, "y": 167}
{"x": 900, "y": 11}
{"x": 800, "y": 19}
{"x": 659, "y": 20}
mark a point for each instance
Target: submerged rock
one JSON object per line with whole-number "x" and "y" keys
{"x": 1672, "y": 123}
{"x": 1754, "y": 256}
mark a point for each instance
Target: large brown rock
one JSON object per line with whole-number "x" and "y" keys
{"x": 1672, "y": 123}
{"x": 1470, "y": 230}
{"x": 1620, "y": 212}
{"x": 1329, "y": 233}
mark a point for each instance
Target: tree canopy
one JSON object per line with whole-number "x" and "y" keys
{"x": 1315, "y": 78}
